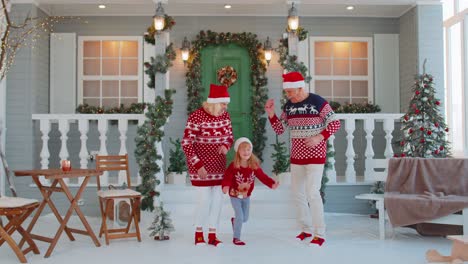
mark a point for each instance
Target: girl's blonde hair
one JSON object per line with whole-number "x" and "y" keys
{"x": 253, "y": 162}
{"x": 213, "y": 108}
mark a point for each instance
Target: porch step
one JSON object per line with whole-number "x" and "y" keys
{"x": 181, "y": 200}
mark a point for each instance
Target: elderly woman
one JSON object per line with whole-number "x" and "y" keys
{"x": 207, "y": 139}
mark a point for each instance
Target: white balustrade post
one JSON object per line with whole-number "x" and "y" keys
{"x": 44, "y": 126}
{"x": 350, "y": 173}
{"x": 102, "y": 128}
{"x": 331, "y": 174}
{"x": 123, "y": 127}
{"x": 388, "y": 126}
{"x": 64, "y": 127}
{"x": 83, "y": 127}
{"x": 369, "y": 126}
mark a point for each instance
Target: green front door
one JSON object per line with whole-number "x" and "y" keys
{"x": 214, "y": 58}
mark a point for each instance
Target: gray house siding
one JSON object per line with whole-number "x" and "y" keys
{"x": 24, "y": 99}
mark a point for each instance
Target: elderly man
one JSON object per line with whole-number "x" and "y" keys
{"x": 311, "y": 122}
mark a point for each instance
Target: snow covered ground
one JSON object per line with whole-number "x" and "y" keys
{"x": 350, "y": 239}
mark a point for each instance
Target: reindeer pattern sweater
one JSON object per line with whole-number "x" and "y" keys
{"x": 308, "y": 118}
{"x": 241, "y": 180}
{"x": 203, "y": 136}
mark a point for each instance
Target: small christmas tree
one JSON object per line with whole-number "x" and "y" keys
{"x": 162, "y": 224}
{"x": 424, "y": 129}
{"x": 280, "y": 157}
{"x": 176, "y": 158}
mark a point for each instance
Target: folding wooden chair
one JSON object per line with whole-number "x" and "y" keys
{"x": 16, "y": 210}
{"x": 108, "y": 198}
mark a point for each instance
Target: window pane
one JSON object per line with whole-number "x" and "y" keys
{"x": 91, "y": 67}
{"x": 91, "y": 88}
{"x": 358, "y": 67}
{"x": 110, "y": 102}
{"x": 91, "y": 101}
{"x": 129, "y": 67}
{"x": 341, "y": 49}
{"x": 341, "y": 88}
{"x": 323, "y": 88}
{"x": 129, "y": 88}
{"x": 129, "y": 48}
{"x": 341, "y": 100}
{"x": 128, "y": 101}
{"x": 359, "y": 50}
{"x": 110, "y": 67}
{"x": 322, "y": 67}
{"x": 359, "y": 88}
{"x": 91, "y": 49}
{"x": 323, "y": 49}
{"x": 110, "y": 88}
{"x": 341, "y": 67}
{"x": 110, "y": 48}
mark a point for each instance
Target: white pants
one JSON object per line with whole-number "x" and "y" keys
{"x": 305, "y": 189}
{"x": 209, "y": 203}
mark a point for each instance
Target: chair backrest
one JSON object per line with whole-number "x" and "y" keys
{"x": 113, "y": 163}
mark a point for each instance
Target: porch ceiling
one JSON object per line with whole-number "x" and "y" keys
{"x": 334, "y": 8}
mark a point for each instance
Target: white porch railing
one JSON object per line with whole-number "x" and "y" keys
{"x": 369, "y": 124}
{"x": 65, "y": 120}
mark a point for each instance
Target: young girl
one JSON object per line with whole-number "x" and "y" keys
{"x": 239, "y": 183}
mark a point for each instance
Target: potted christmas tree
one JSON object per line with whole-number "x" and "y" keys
{"x": 177, "y": 170}
{"x": 280, "y": 158}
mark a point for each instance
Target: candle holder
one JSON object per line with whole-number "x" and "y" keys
{"x": 66, "y": 165}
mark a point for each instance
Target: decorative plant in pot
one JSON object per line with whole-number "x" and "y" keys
{"x": 177, "y": 166}
{"x": 280, "y": 158}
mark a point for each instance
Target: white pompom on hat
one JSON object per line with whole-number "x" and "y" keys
{"x": 293, "y": 80}
{"x": 240, "y": 141}
{"x": 218, "y": 94}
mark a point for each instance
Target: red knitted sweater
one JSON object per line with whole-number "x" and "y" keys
{"x": 241, "y": 180}
{"x": 203, "y": 135}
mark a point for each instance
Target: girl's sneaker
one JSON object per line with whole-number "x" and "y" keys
{"x": 317, "y": 241}
{"x": 199, "y": 240}
{"x": 303, "y": 236}
{"x": 238, "y": 242}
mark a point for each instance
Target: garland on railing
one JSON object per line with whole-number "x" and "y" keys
{"x": 257, "y": 73}
{"x": 145, "y": 153}
{"x": 135, "y": 108}
{"x": 161, "y": 64}
{"x": 354, "y": 108}
{"x": 169, "y": 22}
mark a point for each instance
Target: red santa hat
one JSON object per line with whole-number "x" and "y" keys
{"x": 218, "y": 94}
{"x": 293, "y": 80}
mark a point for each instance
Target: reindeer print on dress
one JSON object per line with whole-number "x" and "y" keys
{"x": 243, "y": 185}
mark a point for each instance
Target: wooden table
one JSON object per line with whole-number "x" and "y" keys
{"x": 58, "y": 185}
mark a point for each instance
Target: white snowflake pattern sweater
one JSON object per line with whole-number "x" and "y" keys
{"x": 308, "y": 118}
{"x": 203, "y": 135}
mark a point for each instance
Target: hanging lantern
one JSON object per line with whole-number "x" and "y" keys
{"x": 159, "y": 18}
{"x": 268, "y": 50}
{"x": 185, "y": 50}
{"x": 293, "y": 18}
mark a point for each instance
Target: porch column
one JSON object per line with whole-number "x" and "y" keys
{"x": 161, "y": 84}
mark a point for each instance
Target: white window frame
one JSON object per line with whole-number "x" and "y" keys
{"x": 459, "y": 16}
{"x": 370, "y": 64}
{"x": 81, "y": 76}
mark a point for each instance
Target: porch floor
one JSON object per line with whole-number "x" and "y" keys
{"x": 350, "y": 239}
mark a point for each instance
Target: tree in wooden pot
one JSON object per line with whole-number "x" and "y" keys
{"x": 177, "y": 166}
{"x": 281, "y": 162}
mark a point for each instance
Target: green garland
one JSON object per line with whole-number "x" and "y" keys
{"x": 169, "y": 22}
{"x": 161, "y": 64}
{"x": 135, "y": 108}
{"x": 145, "y": 153}
{"x": 257, "y": 71}
{"x": 354, "y": 108}
{"x": 290, "y": 62}
{"x": 301, "y": 33}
